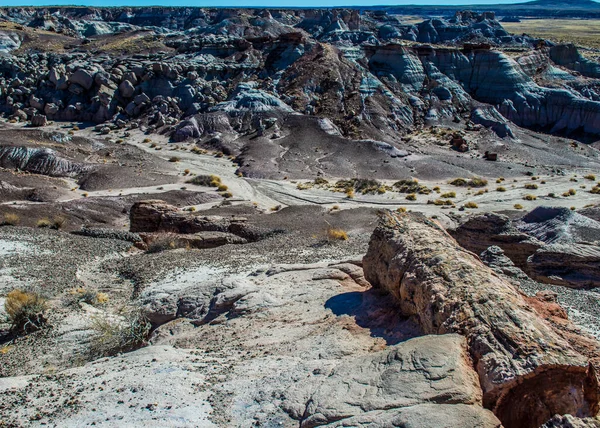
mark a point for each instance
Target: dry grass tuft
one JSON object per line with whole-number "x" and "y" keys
{"x": 337, "y": 234}
{"x": 10, "y": 219}
{"x": 25, "y": 310}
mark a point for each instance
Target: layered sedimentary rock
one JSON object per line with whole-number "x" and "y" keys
{"x": 158, "y": 216}
{"x": 559, "y": 225}
{"x": 491, "y": 229}
{"x": 323, "y": 62}
{"x": 528, "y": 372}
{"x": 40, "y": 161}
{"x": 572, "y": 265}
{"x": 551, "y": 244}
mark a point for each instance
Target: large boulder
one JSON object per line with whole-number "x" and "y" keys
{"x": 528, "y": 372}
{"x": 39, "y": 120}
{"x": 82, "y": 78}
{"x": 126, "y": 89}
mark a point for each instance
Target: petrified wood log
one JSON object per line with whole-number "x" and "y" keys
{"x": 528, "y": 372}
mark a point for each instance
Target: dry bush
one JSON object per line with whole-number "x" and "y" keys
{"x": 206, "y": 180}
{"x": 590, "y": 177}
{"x": 222, "y": 188}
{"x": 471, "y": 205}
{"x": 448, "y": 195}
{"x": 530, "y": 197}
{"x": 43, "y": 222}
{"x": 407, "y": 186}
{"x": 10, "y": 220}
{"x": 595, "y": 190}
{"x": 26, "y": 311}
{"x": 440, "y": 202}
{"x": 91, "y": 297}
{"x": 114, "y": 336}
{"x": 174, "y": 159}
{"x": 336, "y": 234}
{"x": 477, "y": 182}
{"x": 58, "y": 222}
{"x": 518, "y": 206}
{"x": 162, "y": 243}
{"x": 362, "y": 185}
{"x": 411, "y": 197}
{"x": 531, "y": 186}
{"x": 500, "y": 189}
{"x": 473, "y": 182}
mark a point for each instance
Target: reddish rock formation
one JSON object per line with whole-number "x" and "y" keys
{"x": 528, "y": 371}
{"x": 158, "y": 216}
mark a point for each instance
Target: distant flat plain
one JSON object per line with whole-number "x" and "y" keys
{"x": 583, "y": 32}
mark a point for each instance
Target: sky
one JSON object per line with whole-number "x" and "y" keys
{"x": 248, "y": 3}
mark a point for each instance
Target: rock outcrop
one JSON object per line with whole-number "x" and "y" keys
{"x": 528, "y": 372}
{"x": 551, "y": 244}
{"x": 40, "y": 161}
{"x": 324, "y": 63}
{"x": 158, "y": 216}
{"x": 559, "y": 225}
{"x": 572, "y": 265}
{"x": 425, "y": 369}
{"x": 491, "y": 229}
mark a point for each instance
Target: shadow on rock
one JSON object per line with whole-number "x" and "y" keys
{"x": 374, "y": 311}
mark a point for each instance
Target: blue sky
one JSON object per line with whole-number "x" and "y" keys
{"x": 246, "y": 3}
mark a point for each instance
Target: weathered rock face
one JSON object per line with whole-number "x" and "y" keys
{"x": 528, "y": 372}
{"x": 572, "y": 265}
{"x": 420, "y": 370}
{"x": 39, "y": 161}
{"x": 314, "y": 62}
{"x": 158, "y": 216}
{"x": 569, "y": 421}
{"x": 491, "y": 229}
{"x": 559, "y": 225}
{"x": 197, "y": 240}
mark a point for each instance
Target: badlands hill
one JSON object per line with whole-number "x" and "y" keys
{"x": 313, "y": 217}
